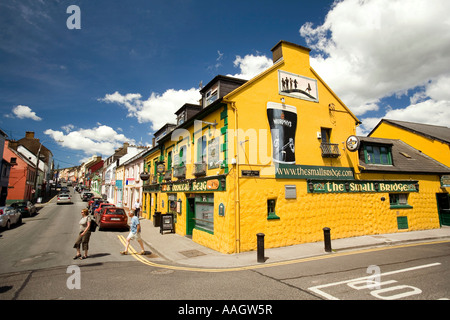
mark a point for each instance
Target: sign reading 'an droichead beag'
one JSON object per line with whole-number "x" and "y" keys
{"x": 291, "y": 171}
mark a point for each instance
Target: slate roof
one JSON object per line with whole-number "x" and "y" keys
{"x": 405, "y": 159}
{"x": 440, "y": 133}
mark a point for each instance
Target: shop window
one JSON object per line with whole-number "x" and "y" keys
{"x": 204, "y": 212}
{"x": 271, "y": 204}
{"x": 377, "y": 155}
{"x": 399, "y": 200}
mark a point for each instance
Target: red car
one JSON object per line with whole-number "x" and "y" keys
{"x": 103, "y": 205}
{"x": 112, "y": 217}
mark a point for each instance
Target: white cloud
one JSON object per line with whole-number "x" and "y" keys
{"x": 102, "y": 140}
{"x": 370, "y": 50}
{"x": 24, "y": 112}
{"x": 157, "y": 109}
{"x": 251, "y": 66}
{"x": 419, "y": 112}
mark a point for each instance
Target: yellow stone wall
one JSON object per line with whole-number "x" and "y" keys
{"x": 347, "y": 214}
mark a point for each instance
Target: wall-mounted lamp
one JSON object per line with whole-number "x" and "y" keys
{"x": 311, "y": 186}
{"x": 282, "y": 100}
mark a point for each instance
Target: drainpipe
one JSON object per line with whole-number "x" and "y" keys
{"x": 237, "y": 208}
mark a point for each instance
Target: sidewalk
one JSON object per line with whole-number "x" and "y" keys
{"x": 181, "y": 250}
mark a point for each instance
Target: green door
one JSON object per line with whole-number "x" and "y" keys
{"x": 190, "y": 216}
{"x": 443, "y": 202}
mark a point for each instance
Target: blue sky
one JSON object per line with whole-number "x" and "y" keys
{"x": 133, "y": 63}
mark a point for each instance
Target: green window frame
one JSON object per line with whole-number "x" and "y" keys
{"x": 377, "y": 155}
{"x": 271, "y": 205}
{"x": 399, "y": 201}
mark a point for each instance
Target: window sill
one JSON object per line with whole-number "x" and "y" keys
{"x": 272, "y": 216}
{"x": 401, "y": 206}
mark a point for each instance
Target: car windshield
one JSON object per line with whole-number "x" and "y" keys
{"x": 114, "y": 211}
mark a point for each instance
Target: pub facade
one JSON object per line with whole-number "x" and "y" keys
{"x": 279, "y": 155}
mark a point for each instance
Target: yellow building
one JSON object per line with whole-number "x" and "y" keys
{"x": 432, "y": 140}
{"x": 278, "y": 155}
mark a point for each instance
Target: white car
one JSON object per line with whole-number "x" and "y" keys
{"x": 9, "y": 216}
{"x": 63, "y": 198}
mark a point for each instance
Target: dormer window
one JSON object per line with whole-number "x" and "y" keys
{"x": 212, "y": 95}
{"x": 181, "y": 118}
{"x": 376, "y": 154}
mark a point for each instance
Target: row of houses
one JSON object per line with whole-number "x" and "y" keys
{"x": 26, "y": 169}
{"x": 279, "y": 155}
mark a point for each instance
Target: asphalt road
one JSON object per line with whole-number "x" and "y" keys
{"x": 36, "y": 263}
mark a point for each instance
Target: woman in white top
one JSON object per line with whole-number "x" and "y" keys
{"x": 84, "y": 235}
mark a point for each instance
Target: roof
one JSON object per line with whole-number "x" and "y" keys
{"x": 405, "y": 159}
{"x": 222, "y": 78}
{"x": 440, "y": 133}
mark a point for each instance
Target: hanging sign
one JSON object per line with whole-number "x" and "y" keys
{"x": 352, "y": 143}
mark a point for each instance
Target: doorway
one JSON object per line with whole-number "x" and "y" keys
{"x": 190, "y": 216}
{"x": 443, "y": 202}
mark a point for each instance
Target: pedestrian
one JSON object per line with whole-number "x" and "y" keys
{"x": 83, "y": 236}
{"x": 137, "y": 207}
{"x": 135, "y": 233}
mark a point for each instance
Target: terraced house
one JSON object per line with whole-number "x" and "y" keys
{"x": 279, "y": 155}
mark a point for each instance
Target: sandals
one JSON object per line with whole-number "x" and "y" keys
{"x": 78, "y": 256}
{"x": 125, "y": 253}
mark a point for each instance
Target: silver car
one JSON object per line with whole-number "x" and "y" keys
{"x": 9, "y": 216}
{"x": 64, "y": 198}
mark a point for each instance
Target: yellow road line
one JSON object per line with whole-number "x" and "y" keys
{"x": 140, "y": 258}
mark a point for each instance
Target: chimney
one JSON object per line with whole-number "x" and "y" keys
{"x": 29, "y": 134}
{"x": 277, "y": 50}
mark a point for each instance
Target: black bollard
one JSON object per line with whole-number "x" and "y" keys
{"x": 327, "y": 239}
{"x": 260, "y": 247}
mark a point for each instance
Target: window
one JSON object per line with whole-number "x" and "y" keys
{"x": 399, "y": 200}
{"x": 212, "y": 95}
{"x": 201, "y": 149}
{"x": 271, "y": 203}
{"x": 204, "y": 212}
{"x": 377, "y": 155}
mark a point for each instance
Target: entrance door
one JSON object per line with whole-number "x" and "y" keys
{"x": 443, "y": 202}
{"x": 190, "y": 216}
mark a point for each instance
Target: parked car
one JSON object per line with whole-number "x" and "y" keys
{"x": 9, "y": 216}
{"x": 95, "y": 205}
{"x": 91, "y": 201}
{"x": 112, "y": 217}
{"x": 64, "y": 190}
{"x": 85, "y": 196}
{"x": 63, "y": 198}
{"x": 103, "y": 205}
{"x": 26, "y": 208}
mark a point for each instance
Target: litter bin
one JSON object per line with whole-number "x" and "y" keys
{"x": 156, "y": 219}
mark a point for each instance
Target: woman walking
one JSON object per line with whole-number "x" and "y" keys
{"x": 84, "y": 235}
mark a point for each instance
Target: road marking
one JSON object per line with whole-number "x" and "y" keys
{"x": 317, "y": 289}
{"x": 267, "y": 265}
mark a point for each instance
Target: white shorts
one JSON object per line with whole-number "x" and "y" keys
{"x": 134, "y": 236}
